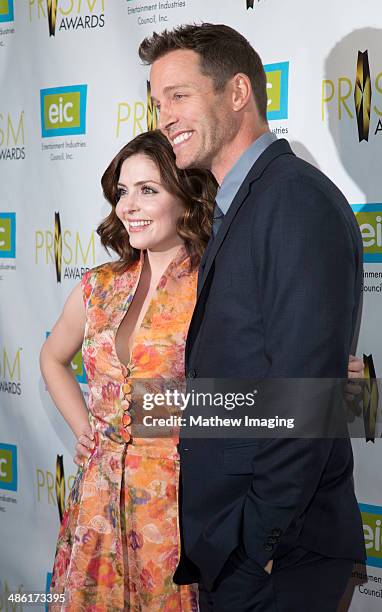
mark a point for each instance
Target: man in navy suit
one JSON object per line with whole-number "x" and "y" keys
{"x": 267, "y": 524}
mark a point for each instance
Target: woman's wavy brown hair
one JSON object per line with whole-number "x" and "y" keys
{"x": 196, "y": 189}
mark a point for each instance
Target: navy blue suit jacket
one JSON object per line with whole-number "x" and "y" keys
{"x": 278, "y": 296}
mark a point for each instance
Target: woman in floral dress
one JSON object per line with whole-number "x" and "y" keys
{"x": 118, "y": 544}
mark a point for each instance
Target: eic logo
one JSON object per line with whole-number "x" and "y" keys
{"x": 63, "y": 110}
{"x": 277, "y": 90}
{"x": 47, "y": 587}
{"x": 369, "y": 217}
{"x": 8, "y": 235}
{"x": 372, "y": 521}
{"x": 77, "y": 366}
{"x": 6, "y": 10}
{"x": 8, "y": 467}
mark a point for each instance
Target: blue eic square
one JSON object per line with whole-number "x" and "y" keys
{"x": 8, "y": 235}
{"x": 6, "y": 11}
{"x": 277, "y": 90}
{"x": 369, "y": 218}
{"x": 8, "y": 467}
{"x": 63, "y": 111}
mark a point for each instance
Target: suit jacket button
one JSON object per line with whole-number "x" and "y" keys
{"x": 271, "y": 540}
{"x": 268, "y": 547}
{"x": 191, "y": 374}
{"x": 276, "y": 532}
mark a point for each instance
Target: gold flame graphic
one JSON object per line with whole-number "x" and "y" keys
{"x": 151, "y": 115}
{"x": 60, "y": 486}
{"x": 370, "y": 398}
{"x": 362, "y": 96}
{"x": 52, "y": 14}
{"x": 57, "y": 245}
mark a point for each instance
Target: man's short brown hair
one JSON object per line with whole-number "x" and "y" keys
{"x": 223, "y": 53}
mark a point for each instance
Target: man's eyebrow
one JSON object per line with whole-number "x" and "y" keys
{"x": 170, "y": 88}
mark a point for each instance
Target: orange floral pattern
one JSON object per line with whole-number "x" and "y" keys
{"x": 118, "y": 544}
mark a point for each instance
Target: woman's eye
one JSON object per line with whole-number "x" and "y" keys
{"x": 178, "y": 96}
{"x": 120, "y": 193}
{"x": 147, "y": 189}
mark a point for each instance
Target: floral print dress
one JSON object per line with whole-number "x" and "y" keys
{"x": 118, "y": 544}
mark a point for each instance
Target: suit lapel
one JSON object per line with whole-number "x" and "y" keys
{"x": 215, "y": 244}
{"x": 203, "y": 262}
{"x": 277, "y": 148}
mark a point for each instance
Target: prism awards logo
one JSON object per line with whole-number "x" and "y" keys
{"x": 78, "y": 367}
{"x": 10, "y": 371}
{"x": 8, "y": 467}
{"x": 361, "y": 90}
{"x": 6, "y": 10}
{"x": 52, "y": 488}
{"x": 369, "y": 217}
{"x": 277, "y": 90}
{"x": 7, "y": 235}
{"x": 68, "y": 16}
{"x": 12, "y": 140}
{"x": 65, "y": 248}
{"x": 63, "y": 111}
{"x": 372, "y": 521}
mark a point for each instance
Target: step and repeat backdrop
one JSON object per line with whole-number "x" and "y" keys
{"x": 72, "y": 93}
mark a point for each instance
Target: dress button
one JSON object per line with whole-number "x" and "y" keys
{"x": 126, "y": 420}
{"x": 191, "y": 373}
{"x": 126, "y": 436}
{"x": 126, "y": 388}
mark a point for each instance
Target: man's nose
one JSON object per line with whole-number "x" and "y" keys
{"x": 166, "y": 118}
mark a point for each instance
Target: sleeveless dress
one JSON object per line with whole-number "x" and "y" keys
{"x": 119, "y": 541}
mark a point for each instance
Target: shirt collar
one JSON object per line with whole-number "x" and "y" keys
{"x": 239, "y": 171}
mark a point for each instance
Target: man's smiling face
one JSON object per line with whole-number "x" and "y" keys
{"x": 194, "y": 117}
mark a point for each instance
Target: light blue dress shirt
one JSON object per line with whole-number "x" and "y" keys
{"x": 235, "y": 177}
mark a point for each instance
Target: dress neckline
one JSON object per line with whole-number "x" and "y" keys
{"x": 178, "y": 260}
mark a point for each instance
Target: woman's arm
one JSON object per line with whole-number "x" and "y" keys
{"x": 56, "y": 354}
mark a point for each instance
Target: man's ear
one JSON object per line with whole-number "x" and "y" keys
{"x": 241, "y": 91}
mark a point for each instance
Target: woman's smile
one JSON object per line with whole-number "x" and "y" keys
{"x": 139, "y": 225}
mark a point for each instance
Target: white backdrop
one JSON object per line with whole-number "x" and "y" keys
{"x": 68, "y": 102}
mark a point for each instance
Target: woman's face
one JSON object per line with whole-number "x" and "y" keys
{"x": 148, "y": 212}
